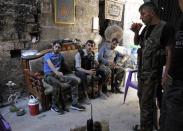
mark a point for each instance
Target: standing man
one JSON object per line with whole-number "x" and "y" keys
{"x": 107, "y": 58}
{"x": 155, "y": 41}
{"x": 53, "y": 61}
{"x": 172, "y": 117}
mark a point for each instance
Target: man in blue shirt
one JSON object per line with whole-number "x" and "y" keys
{"x": 52, "y": 74}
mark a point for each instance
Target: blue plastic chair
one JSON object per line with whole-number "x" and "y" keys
{"x": 130, "y": 83}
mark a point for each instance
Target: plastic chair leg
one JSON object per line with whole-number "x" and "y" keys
{"x": 125, "y": 94}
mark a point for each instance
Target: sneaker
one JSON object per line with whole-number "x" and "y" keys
{"x": 56, "y": 109}
{"x": 78, "y": 107}
{"x": 21, "y": 112}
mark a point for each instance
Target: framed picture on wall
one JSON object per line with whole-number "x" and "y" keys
{"x": 64, "y": 11}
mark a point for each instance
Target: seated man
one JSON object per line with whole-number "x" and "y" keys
{"x": 86, "y": 65}
{"x": 52, "y": 75}
{"x": 107, "y": 58}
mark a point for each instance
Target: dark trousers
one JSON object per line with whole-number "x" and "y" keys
{"x": 147, "y": 91}
{"x": 172, "y": 108}
{"x": 84, "y": 80}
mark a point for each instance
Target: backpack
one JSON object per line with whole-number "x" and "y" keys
{"x": 4, "y": 125}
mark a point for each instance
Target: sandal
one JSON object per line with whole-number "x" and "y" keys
{"x": 20, "y": 112}
{"x": 136, "y": 127}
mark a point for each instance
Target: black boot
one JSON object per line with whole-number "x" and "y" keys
{"x": 119, "y": 91}
{"x": 117, "y": 85}
{"x": 113, "y": 89}
{"x": 104, "y": 88}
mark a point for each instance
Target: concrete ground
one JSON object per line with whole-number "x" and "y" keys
{"x": 121, "y": 117}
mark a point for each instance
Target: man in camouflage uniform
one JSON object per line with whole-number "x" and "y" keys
{"x": 154, "y": 40}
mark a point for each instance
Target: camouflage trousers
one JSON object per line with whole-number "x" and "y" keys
{"x": 171, "y": 118}
{"x": 147, "y": 92}
{"x": 116, "y": 75}
{"x": 104, "y": 72}
{"x": 59, "y": 85}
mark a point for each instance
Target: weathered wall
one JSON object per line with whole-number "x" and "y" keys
{"x": 21, "y": 19}
{"x": 16, "y": 17}
{"x": 16, "y": 20}
{"x": 82, "y": 29}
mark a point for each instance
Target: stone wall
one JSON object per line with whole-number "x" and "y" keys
{"x": 16, "y": 17}
{"x": 17, "y": 22}
{"x": 81, "y": 29}
{"x": 10, "y": 70}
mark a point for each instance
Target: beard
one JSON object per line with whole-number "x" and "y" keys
{"x": 56, "y": 51}
{"x": 147, "y": 21}
{"x": 89, "y": 51}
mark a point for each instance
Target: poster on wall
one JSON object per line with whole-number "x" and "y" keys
{"x": 64, "y": 11}
{"x": 113, "y": 9}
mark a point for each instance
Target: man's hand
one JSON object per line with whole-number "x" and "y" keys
{"x": 112, "y": 64}
{"x": 92, "y": 72}
{"x": 58, "y": 73}
{"x": 135, "y": 27}
{"x": 166, "y": 81}
{"x": 96, "y": 63}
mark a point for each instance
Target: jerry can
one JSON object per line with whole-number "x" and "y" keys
{"x": 33, "y": 105}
